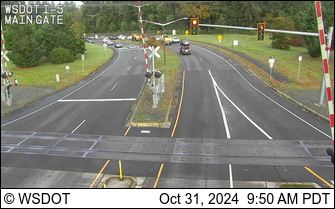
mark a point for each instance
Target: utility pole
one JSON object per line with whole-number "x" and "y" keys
{"x": 164, "y": 24}
{"x": 93, "y": 21}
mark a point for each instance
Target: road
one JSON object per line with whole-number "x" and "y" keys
{"x": 227, "y": 119}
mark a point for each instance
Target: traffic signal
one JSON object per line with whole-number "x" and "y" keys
{"x": 148, "y": 74}
{"x": 158, "y": 74}
{"x": 260, "y": 31}
{"x": 330, "y": 152}
{"x": 194, "y": 26}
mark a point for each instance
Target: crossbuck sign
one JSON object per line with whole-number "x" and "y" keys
{"x": 154, "y": 51}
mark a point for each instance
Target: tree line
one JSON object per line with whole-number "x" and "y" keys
{"x": 122, "y": 17}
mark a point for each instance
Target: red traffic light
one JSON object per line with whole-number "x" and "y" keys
{"x": 261, "y": 27}
{"x": 194, "y": 22}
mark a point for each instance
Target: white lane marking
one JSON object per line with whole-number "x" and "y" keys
{"x": 114, "y": 86}
{"x": 63, "y": 96}
{"x": 145, "y": 132}
{"x": 252, "y": 122}
{"x": 78, "y": 126}
{"x": 231, "y": 176}
{"x": 129, "y": 67}
{"x": 96, "y": 100}
{"x": 266, "y": 95}
{"x": 200, "y": 59}
{"x": 135, "y": 58}
{"x": 224, "y": 119}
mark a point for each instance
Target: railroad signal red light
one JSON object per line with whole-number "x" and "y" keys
{"x": 148, "y": 74}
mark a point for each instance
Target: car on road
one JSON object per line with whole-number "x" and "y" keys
{"x": 90, "y": 41}
{"x": 118, "y": 45}
{"x": 184, "y": 43}
{"x": 185, "y": 50}
{"x": 109, "y": 42}
{"x": 175, "y": 40}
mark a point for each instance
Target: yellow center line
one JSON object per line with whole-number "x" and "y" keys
{"x": 181, "y": 101}
{"x": 324, "y": 181}
{"x": 103, "y": 168}
{"x": 158, "y": 176}
{"x": 127, "y": 131}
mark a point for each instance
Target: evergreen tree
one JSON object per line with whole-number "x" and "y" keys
{"x": 21, "y": 40}
{"x": 62, "y": 35}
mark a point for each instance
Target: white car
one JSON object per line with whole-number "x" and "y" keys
{"x": 122, "y": 37}
{"x": 105, "y": 39}
{"x": 175, "y": 40}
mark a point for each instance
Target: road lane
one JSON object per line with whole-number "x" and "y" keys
{"x": 253, "y": 111}
{"x": 67, "y": 114}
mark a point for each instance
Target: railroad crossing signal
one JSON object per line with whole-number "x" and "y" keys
{"x": 260, "y": 31}
{"x": 194, "y": 26}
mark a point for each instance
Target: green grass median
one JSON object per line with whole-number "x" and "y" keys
{"x": 144, "y": 114}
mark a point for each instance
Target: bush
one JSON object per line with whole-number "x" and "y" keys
{"x": 298, "y": 40}
{"x": 61, "y": 55}
{"x": 152, "y": 42}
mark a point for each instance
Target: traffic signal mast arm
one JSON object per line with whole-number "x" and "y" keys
{"x": 267, "y": 30}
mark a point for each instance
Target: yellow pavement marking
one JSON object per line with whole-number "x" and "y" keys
{"x": 324, "y": 181}
{"x": 127, "y": 131}
{"x": 103, "y": 168}
{"x": 159, "y": 174}
{"x": 181, "y": 101}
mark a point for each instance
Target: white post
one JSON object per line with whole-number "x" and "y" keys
{"x": 82, "y": 59}
{"x": 57, "y": 78}
{"x": 300, "y": 59}
{"x": 67, "y": 69}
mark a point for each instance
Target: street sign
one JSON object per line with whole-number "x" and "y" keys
{"x": 186, "y": 32}
{"x": 154, "y": 51}
{"x": 219, "y": 37}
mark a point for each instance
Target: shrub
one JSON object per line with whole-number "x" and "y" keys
{"x": 61, "y": 55}
{"x": 298, "y": 40}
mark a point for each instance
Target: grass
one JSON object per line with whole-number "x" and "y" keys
{"x": 45, "y": 73}
{"x": 144, "y": 112}
{"x": 311, "y": 69}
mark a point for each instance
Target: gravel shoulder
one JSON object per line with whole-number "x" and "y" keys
{"x": 24, "y": 95}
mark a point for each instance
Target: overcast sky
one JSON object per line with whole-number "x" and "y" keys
{"x": 78, "y": 3}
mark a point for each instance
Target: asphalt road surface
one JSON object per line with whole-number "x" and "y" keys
{"x": 227, "y": 120}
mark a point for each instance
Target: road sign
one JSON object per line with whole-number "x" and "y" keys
{"x": 186, "y": 32}
{"x": 219, "y": 37}
{"x": 154, "y": 51}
